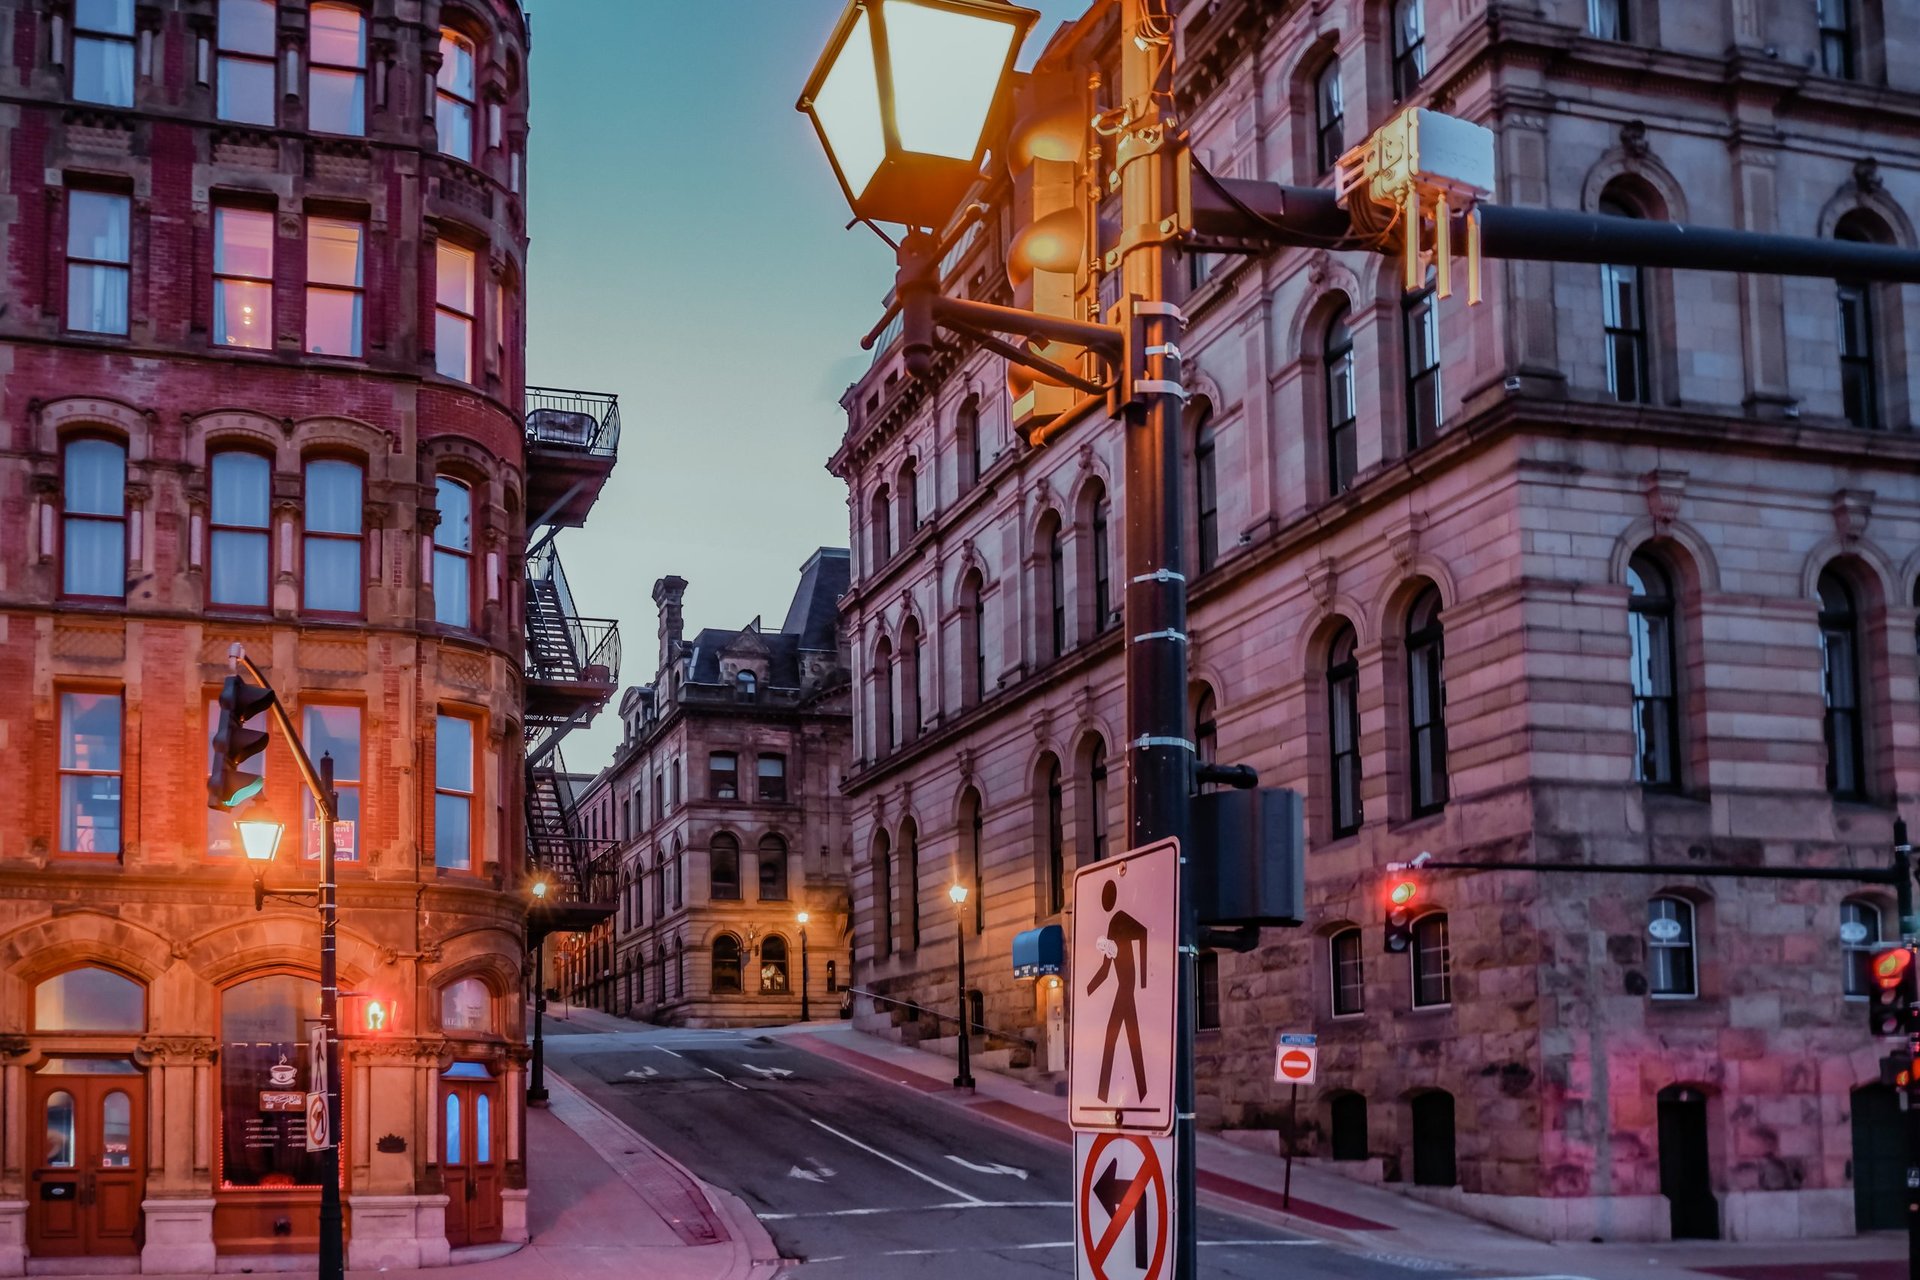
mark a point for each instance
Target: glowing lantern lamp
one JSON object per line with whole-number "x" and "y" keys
{"x": 260, "y": 837}
{"x": 902, "y": 97}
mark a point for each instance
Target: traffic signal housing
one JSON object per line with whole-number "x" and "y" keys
{"x": 1047, "y": 151}
{"x": 1402, "y": 889}
{"x": 230, "y": 779}
{"x": 1890, "y": 994}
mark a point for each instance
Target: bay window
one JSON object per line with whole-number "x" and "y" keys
{"x": 453, "y": 793}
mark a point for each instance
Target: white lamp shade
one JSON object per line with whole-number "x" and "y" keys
{"x": 958, "y": 893}
{"x": 260, "y": 837}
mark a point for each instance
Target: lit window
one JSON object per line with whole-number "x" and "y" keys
{"x": 1656, "y": 712}
{"x": 1670, "y": 948}
{"x": 1348, "y": 972}
{"x": 773, "y": 869}
{"x": 337, "y": 70}
{"x": 332, "y": 567}
{"x": 772, "y": 772}
{"x": 335, "y": 731}
{"x": 773, "y": 966}
{"x": 726, "y": 965}
{"x": 94, "y": 523}
{"x": 1409, "y": 46}
{"x": 97, "y": 261}
{"x": 466, "y": 1005}
{"x": 1425, "y": 410}
{"x": 240, "y": 551}
{"x": 336, "y": 284}
{"x": 245, "y": 91}
{"x": 1330, "y": 117}
{"x": 453, "y": 553}
{"x": 103, "y": 52}
{"x": 1426, "y": 706}
{"x": 723, "y": 775}
{"x": 1343, "y": 404}
{"x": 1343, "y": 731}
{"x": 264, "y": 1024}
{"x": 90, "y": 730}
{"x": 1840, "y": 668}
{"x": 222, "y": 840}
{"x": 1207, "y": 491}
{"x": 453, "y": 311}
{"x": 453, "y": 792}
{"x": 453, "y": 96}
{"x": 723, "y": 867}
{"x": 243, "y": 278}
{"x": 89, "y": 1000}
{"x": 1432, "y": 962}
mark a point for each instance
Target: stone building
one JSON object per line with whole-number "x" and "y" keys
{"x": 724, "y": 800}
{"x": 261, "y": 382}
{"x": 1620, "y": 566}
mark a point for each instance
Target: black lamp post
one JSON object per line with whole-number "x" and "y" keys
{"x": 805, "y": 1016}
{"x": 958, "y": 894}
{"x": 537, "y": 1085}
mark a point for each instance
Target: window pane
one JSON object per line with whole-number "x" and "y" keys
{"x": 241, "y": 483}
{"x": 337, "y": 36}
{"x": 455, "y": 504}
{"x": 338, "y": 102}
{"x": 332, "y": 575}
{"x": 245, "y": 93}
{"x": 60, "y": 1153}
{"x": 453, "y": 754}
{"x": 89, "y": 1000}
{"x": 335, "y": 252}
{"x": 456, "y": 65}
{"x": 239, "y": 568}
{"x": 453, "y": 1128}
{"x": 452, "y": 832}
{"x": 453, "y": 346}
{"x": 333, "y": 497}
{"x": 96, "y": 478}
{"x": 451, "y": 587}
{"x": 454, "y": 121}
{"x": 97, "y": 226}
{"x": 103, "y": 69}
{"x": 246, "y": 26}
{"x": 482, "y": 1129}
{"x": 116, "y": 1131}
{"x": 243, "y": 314}
{"x": 90, "y": 814}
{"x": 466, "y": 1005}
{"x": 263, "y": 1027}
{"x": 335, "y": 730}
{"x": 90, "y": 731}
{"x": 97, "y": 299}
{"x": 453, "y": 277}
{"x": 333, "y": 322}
{"x": 104, "y": 15}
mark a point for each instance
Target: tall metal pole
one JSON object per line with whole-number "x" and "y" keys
{"x": 537, "y": 1091}
{"x": 965, "y": 1079}
{"x": 805, "y": 980}
{"x": 1160, "y": 750}
{"x": 1910, "y": 935}
{"x": 332, "y": 1224}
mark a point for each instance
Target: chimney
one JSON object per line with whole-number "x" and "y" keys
{"x": 667, "y": 595}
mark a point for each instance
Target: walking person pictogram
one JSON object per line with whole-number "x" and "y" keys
{"x": 1124, "y": 934}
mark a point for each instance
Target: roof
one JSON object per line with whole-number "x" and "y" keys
{"x": 813, "y": 617}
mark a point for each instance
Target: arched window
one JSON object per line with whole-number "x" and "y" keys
{"x": 1840, "y": 664}
{"x": 1432, "y": 961}
{"x": 973, "y": 640}
{"x": 1102, "y": 557}
{"x": 773, "y": 869}
{"x": 773, "y": 966}
{"x": 89, "y": 999}
{"x": 914, "y": 720}
{"x": 244, "y": 77}
{"x": 1056, "y": 836}
{"x": 1206, "y": 730}
{"x": 726, "y": 965}
{"x": 1343, "y": 731}
{"x": 1656, "y": 709}
{"x": 1623, "y": 317}
{"x": 332, "y": 567}
{"x": 1861, "y": 928}
{"x": 910, "y": 881}
{"x": 723, "y": 867}
{"x": 1097, "y": 798}
{"x": 1343, "y": 404}
{"x": 1426, "y": 404}
{"x": 971, "y": 825}
{"x": 1206, "y": 494}
{"x": 1056, "y": 586}
{"x": 746, "y": 685}
{"x": 453, "y": 98}
{"x": 908, "y": 488}
{"x": 466, "y": 1005}
{"x": 967, "y": 443}
{"x": 264, "y": 1023}
{"x": 1346, "y": 969}
{"x": 882, "y": 896}
{"x": 880, "y": 527}
{"x": 453, "y": 553}
{"x": 885, "y": 733}
{"x": 240, "y": 555}
{"x": 1409, "y": 47}
{"x": 1329, "y": 117}
{"x": 660, "y": 963}
{"x": 1672, "y": 974}
{"x": 337, "y": 69}
{"x": 1858, "y": 334}
{"x": 94, "y": 519}
{"x": 1426, "y": 704}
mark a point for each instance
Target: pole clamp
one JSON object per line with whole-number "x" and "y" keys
{"x": 1158, "y": 387}
{"x": 1147, "y": 741}
{"x": 1160, "y": 575}
{"x": 1179, "y": 637}
{"x": 1147, "y": 307}
{"x": 1166, "y": 349}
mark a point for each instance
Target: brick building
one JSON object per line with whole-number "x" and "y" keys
{"x": 1618, "y": 567}
{"x": 725, "y": 805}
{"x": 261, "y": 382}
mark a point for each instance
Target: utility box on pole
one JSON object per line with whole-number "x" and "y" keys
{"x": 1249, "y": 858}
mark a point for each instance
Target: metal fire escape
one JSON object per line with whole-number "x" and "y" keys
{"x": 572, "y": 665}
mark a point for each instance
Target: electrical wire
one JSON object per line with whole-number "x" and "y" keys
{"x": 1293, "y": 234}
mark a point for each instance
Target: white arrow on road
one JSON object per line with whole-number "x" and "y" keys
{"x": 771, "y": 1073}
{"x": 819, "y": 1172}
{"x": 991, "y": 1168}
{"x": 644, "y": 1073}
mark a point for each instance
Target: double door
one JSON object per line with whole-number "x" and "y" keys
{"x": 84, "y": 1199}
{"x": 469, "y": 1142}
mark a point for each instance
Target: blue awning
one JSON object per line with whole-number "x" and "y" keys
{"x": 1039, "y": 951}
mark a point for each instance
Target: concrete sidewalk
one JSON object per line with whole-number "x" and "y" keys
{"x": 1369, "y": 1220}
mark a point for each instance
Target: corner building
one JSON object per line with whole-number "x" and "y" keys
{"x": 261, "y": 383}
{"x": 1619, "y": 567}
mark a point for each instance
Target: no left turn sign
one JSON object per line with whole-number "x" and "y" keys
{"x": 1123, "y": 1206}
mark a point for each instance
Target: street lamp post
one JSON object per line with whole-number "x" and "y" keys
{"x": 958, "y": 895}
{"x": 804, "y": 981}
{"x": 537, "y": 1087}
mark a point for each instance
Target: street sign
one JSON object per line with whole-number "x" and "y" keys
{"x": 1296, "y": 1058}
{"x": 1126, "y": 933}
{"x": 1123, "y": 1208}
{"x": 319, "y": 1137}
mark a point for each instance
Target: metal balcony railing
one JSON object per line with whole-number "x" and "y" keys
{"x": 561, "y": 645}
{"x": 585, "y": 422}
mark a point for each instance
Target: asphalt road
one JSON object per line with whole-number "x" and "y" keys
{"x": 855, "y": 1177}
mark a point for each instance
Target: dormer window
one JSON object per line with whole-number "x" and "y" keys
{"x": 746, "y": 684}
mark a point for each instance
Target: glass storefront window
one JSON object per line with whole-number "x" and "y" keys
{"x": 116, "y": 1131}
{"x": 466, "y": 1005}
{"x": 264, "y": 1076}
{"x": 89, "y": 1000}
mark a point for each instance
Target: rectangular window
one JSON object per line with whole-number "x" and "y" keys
{"x": 337, "y": 70}
{"x": 90, "y": 733}
{"x": 245, "y": 91}
{"x": 98, "y": 257}
{"x": 453, "y": 791}
{"x": 1102, "y": 567}
{"x": 103, "y": 52}
{"x": 333, "y": 569}
{"x": 1608, "y": 19}
{"x": 1349, "y": 975}
{"x": 1624, "y": 312}
{"x": 336, "y": 286}
{"x": 243, "y": 278}
{"x": 453, "y": 96}
{"x": 1424, "y": 411}
{"x": 723, "y": 775}
{"x": 1208, "y": 1014}
{"x": 94, "y": 519}
{"x": 241, "y": 542}
{"x": 1432, "y": 962}
{"x": 222, "y": 840}
{"x": 1409, "y": 46}
{"x": 453, "y": 554}
{"x": 1836, "y": 37}
{"x": 1857, "y": 375}
{"x": 1670, "y": 949}
{"x": 334, "y": 730}
{"x": 1330, "y": 118}
{"x": 453, "y": 311}
{"x": 772, "y": 771}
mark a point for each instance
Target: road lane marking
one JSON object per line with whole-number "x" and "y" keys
{"x": 928, "y": 1208}
{"x": 662, "y": 1048}
{"x": 735, "y": 1083}
{"x": 769, "y": 1072}
{"x": 1005, "y": 1169}
{"x": 898, "y": 1164}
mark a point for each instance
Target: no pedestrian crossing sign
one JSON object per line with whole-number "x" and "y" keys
{"x": 1296, "y": 1058}
{"x": 1123, "y": 1206}
{"x": 1126, "y": 920}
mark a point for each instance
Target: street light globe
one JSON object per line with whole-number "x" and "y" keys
{"x": 958, "y": 893}
{"x": 902, "y": 96}
{"x": 802, "y": 917}
{"x": 540, "y": 887}
{"x": 260, "y": 837}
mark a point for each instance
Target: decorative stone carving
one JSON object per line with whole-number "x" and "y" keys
{"x": 1664, "y": 490}
{"x": 1323, "y": 581}
{"x": 1403, "y": 538}
{"x": 1633, "y": 139}
{"x": 1852, "y": 508}
{"x": 1866, "y": 176}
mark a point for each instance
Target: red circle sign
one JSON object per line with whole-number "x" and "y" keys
{"x": 1150, "y": 1185}
{"x": 1295, "y": 1064}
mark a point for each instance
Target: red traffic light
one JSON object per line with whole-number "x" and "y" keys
{"x": 1890, "y": 967}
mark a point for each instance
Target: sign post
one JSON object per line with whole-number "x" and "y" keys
{"x": 1296, "y": 1060}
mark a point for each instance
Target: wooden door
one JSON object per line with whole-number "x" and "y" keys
{"x": 469, "y": 1140}
{"x": 88, "y": 1181}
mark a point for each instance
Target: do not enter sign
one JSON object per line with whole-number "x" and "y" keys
{"x": 1296, "y": 1060}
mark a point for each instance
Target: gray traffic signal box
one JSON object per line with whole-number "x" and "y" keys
{"x": 1249, "y": 852}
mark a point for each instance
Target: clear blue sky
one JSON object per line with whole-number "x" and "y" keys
{"x": 688, "y": 255}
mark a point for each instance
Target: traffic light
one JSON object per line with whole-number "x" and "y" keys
{"x": 1047, "y": 259}
{"x": 1401, "y": 891}
{"x": 1890, "y": 999}
{"x": 229, "y": 781}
